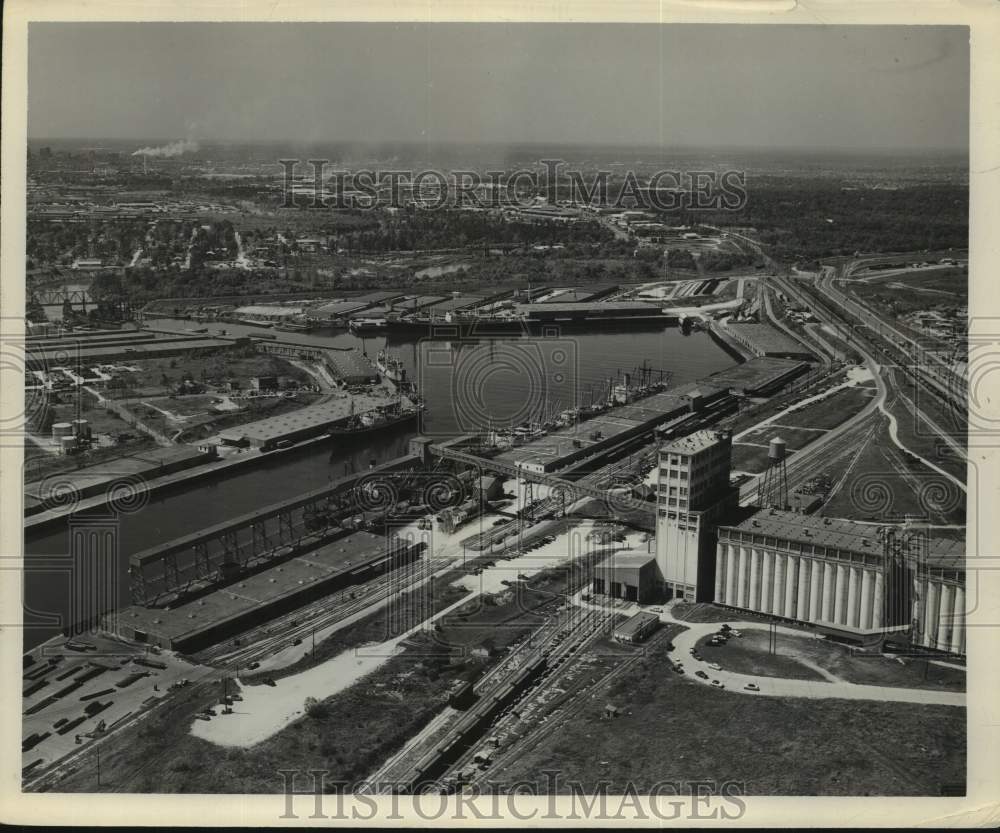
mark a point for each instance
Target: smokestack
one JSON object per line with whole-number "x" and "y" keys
{"x": 172, "y": 149}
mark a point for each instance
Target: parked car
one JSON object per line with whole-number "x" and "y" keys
{"x": 717, "y": 684}
{"x": 701, "y": 674}
{"x": 752, "y": 687}
{"x": 715, "y": 666}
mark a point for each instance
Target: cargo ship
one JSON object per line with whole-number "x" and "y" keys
{"x": 389, "y": 367}
{"x": 376, "y": 420}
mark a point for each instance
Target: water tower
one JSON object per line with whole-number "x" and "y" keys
{"x": 772, "y": 488}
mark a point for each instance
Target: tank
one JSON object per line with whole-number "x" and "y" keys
{"x": 81, "y": 428}
{"x": 776, "y": 449}
{"x": 67, "y": 444}
{"x": 61, "y": 429}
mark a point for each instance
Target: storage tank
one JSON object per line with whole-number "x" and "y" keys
{"x": 81, "y": 429}
{"x": 61, "y": 429}
{"x": 67, "y": 444}
{"x": 776, "y": 449}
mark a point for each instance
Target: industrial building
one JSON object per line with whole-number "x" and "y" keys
{"x": 847, "y": 578}
{"x": 764, "y": 340}
{"x": 637, "y": 628}
{"x": 758, "y": 377}
{"x": 350, "y": 366}
{"x": 76, "y": 349}
{"x": 352, "y": 558}
{"x": 627, "y": 575}
{"x": 694, "y": 494}
{"x": 564, "y": 446}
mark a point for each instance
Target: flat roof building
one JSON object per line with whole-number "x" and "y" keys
{"x": 764, "y": 340}
{"x": 637, "y": 628}
{"x": 627, "y": 575}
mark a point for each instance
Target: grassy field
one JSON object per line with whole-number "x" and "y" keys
{"x": 750, "y": 454}
{"x": 701, "y": 612}
{"x": 672, "y": 729}
{"x": 918, "y": 289}
{"x": 830, "y": 411}
{"x": 749, "y": 458}
{"x": 749, "y": 655}
{"x": 794, "y": 437}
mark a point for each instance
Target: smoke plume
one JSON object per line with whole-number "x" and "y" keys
{"x": 173, "y": 149}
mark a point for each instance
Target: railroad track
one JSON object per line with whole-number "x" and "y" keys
{"x": 395, "y": 769}
{"x": 566, "y": 706}
{"x": 575, "y": 638}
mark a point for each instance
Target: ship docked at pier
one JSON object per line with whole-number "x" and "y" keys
{"x": 390, "y": 367}
{"x": 536, "y": 318}
{"x": 399, "y": 412}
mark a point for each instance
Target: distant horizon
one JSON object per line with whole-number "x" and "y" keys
{"x": 804, "y": 88}
{"x": 386, "y": 143}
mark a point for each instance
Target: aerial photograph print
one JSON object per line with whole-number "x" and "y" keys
{"x": 495, "y": 409}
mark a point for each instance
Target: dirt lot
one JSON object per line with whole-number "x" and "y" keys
{"x": 675, "y": 730}
{"x": 159, "y": 377}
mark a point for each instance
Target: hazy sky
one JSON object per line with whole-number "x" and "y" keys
{"x": 767, "y": 86}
